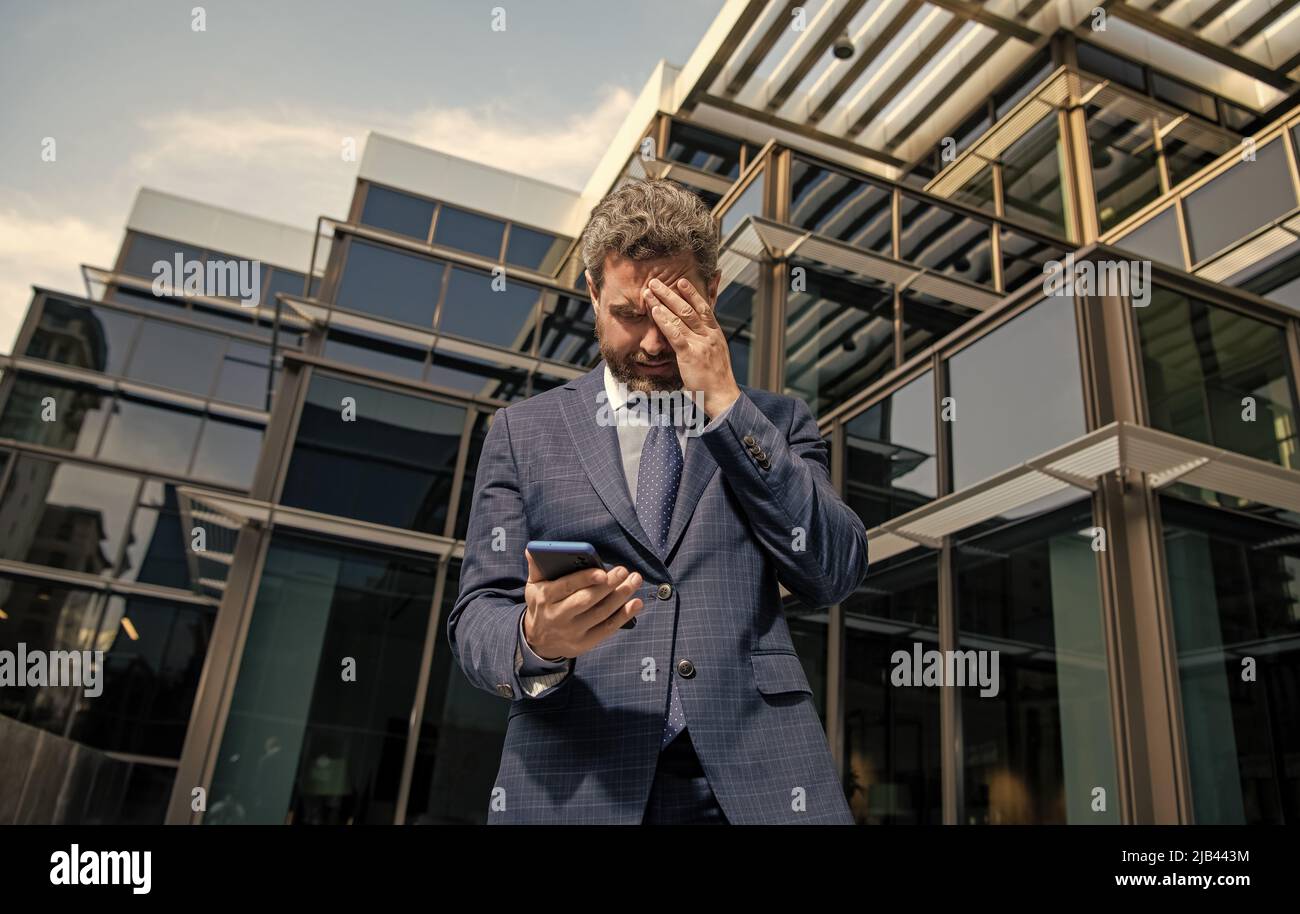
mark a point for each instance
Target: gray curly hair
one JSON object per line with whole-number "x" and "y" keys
{"x": 646, "y": 219}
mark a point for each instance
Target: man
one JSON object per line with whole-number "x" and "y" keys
{"x": 701, "y": 712}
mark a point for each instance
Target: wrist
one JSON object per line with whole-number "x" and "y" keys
{"x": 533, "y": 646}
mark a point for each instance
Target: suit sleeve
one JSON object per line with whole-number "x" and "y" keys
{"x": 483, "y": 627}
{"x": 782, "y": 481}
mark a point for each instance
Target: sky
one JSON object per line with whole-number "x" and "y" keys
{"x": 251, "y": 112}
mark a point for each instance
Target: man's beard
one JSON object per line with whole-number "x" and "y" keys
{"x": 626, "y": 370}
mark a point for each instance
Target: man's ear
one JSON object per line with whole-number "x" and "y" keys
{"x": 591, "y": 291}
{"x": 714, "y": 280}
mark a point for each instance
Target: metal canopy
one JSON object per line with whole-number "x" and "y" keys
{"x": 919, "y": 65}
{"x": 757, "y": 238}
{"x": 1164, "y": 459}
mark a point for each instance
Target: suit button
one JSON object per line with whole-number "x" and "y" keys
{"x": 665, "y": 591}
{"x": 505, "y": 690}
{"x": 764, "y": 462}
{"x": 685, "y": 669}
{"x": 748, "y": 440}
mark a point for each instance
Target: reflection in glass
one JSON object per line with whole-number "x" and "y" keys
{"x": 459, "y": 745}
{"x": 392, "y": 464}
{"x": 891, "y": 733}
{"x": 1018, "y": 392}
{"x": 176, "y": 357}
{"x": 1024, "y": 257}
{"x": 45, "y": 617}
{"x": 946, "y": 241}
{"x": 64, "y": 515}
{"x": 153, "y": 658}
{"x": 839, "y": 335}
{"x": 1217, "y": 376}
{"x": 568, "y": 330}
{"x": 228, "y": 452}
{"x": 375, "y": 353}
{"x": 1125, "y": 173}
{"x": 304, "y": 744}
{"x": 841, "y": 207}
{"x": 734, "y": 311}
{"x": 749, "y": 203}
{"x": 83, "y": 336}
{"x": 1032, "y": 189}
{"x": 79, "y": 412}
{"x": 928, "y": 319}
{"x": 1034, "y": 752}
{"x": 1234, "y": 590}
{"x": 704, "y": 149}
{"x": 142, "y": 433}
{"x": 891, "y": 454}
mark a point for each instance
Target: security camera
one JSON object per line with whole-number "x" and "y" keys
{"x": 843, "y": 47}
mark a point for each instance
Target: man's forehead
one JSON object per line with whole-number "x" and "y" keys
{"x": 628, "y": 275}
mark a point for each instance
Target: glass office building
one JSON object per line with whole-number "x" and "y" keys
{"x": 258, "y": 513}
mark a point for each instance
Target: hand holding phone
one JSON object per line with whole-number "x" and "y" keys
{"x": 574, "y": 600}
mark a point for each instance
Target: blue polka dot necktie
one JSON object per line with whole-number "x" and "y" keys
{"x": 658, "y": 478}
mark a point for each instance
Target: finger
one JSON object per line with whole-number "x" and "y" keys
{"x": 619, "y": 595}
{"x": 587, "y": 592}
{"x": 678, "y": 305}
{"x": 534, "y": 573}
{"x": 563, "y": 588}
{"x": 697, "y": 301}
{"x": 616, "y": 620}
{"x": 668, "y": 322}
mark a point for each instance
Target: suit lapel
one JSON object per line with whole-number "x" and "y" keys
{"x": 598, "y": 452}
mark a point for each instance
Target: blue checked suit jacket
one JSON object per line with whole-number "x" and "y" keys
{"x": 584, "y": 751}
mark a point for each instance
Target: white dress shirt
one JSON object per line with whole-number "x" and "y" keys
{"x": 537, "y": 674}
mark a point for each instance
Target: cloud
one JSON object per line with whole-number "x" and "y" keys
{"x": 283, "y": 163}
{"x": 36, "y": 249}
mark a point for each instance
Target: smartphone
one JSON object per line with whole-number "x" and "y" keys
{"x": 556, "y": 559}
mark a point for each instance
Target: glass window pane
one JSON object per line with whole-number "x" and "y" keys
{"x": 1024, "y": 257}
{"x": 534, "y": 250}
{"x": 1243, "y": 198}
{"x": 1036, "y": 732}
{"x": 158, "y": 550}
{"x": 83, "y": 336}
{"x": 892, "y": 756}
{"x": 477, "y": 377}
{"x": 176, "y": 357}
{"x": 392, "y": 464}
{"x": 839, "y": 336}
{"x": 892, "y": 464}
{"x": 734, "y": 312}
{"x": 143, "y": 251}
{"x": 1108, "y": 66}
{"x": 568, "y": 330}
{"x": 286, "y": 281}
{"x": 388, "y": 283}
{"x": 704, "y": 149}
{"x": 927, "y": 319}
{"x": 46, "y": 617}
{"x": 1017, "y": 392}
{"x": 243, "y": 375}
{"x": 76, "y": 413}
{"x": 302, "y": 745}
{"x": 1217, "y": 376}
{"x": 1158, "y": 239}
{"x": 375, "y": 353}
{"x": 65, "y": 515}
{"x": 946, "y": 242}
{"x": 840, "y": 207}
{"x": 228, "y": 452}
{"x": 1125, "y": 174}
{"x": 1234, "y": 591}
{"x": 470, "y": 232}
{"x": 142, "y": 433}
{"x": 1032, "y": 189}
{"x": 749, "y": 203}
{"x": 397, "y": 212}
{"x": 153, "y": 658}
{"x": 475, "y": 310}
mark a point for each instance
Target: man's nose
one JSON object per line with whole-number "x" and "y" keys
{"x": 654, "y": 343}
